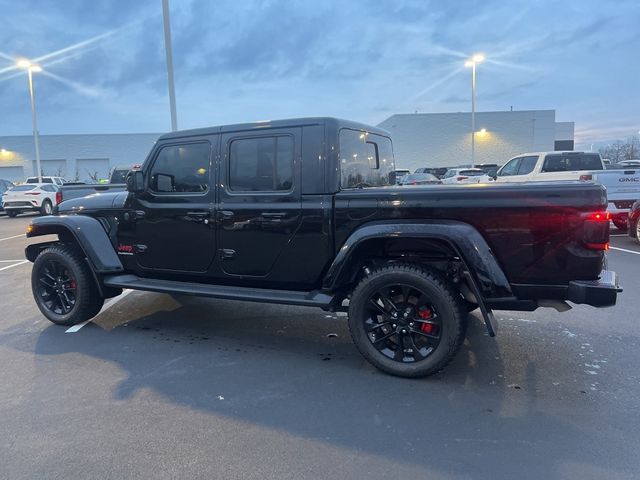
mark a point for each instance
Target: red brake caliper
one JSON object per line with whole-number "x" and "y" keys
{"x": 426, "y": 314}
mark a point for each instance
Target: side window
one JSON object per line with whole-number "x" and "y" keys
{"x": 366, "y": 159}
{"x": 181, "y": 169}
{"x": 261, "y": 164}
{"x": 510, "y": 168}
{"x": 527, "y": 164}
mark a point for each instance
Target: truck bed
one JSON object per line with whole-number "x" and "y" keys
{"x": 535, "y": 230}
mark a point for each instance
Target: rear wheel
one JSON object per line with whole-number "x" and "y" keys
{"x": 407, "y": 320}
{"x": 12, "y": 213}
{"x": 638, "y": 230}
{"x": 46, "y": 208}
{"x": 621, "y": 224}
{"x": 63, "y": 286}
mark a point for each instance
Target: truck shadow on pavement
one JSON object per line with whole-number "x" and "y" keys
{"x": 296, "y": 370}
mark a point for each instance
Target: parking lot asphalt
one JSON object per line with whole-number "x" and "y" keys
{"x": 160, "y": 388}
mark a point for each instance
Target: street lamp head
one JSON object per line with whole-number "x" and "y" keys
{"x": 478, "y": 58}
{"x": 23, "y": 63}
{"x": 27, "y": 65}
{"x": 468, "y": 64}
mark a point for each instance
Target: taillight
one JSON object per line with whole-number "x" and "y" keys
{"x": 462, "y": 178}
{"x": 596, "y": 231}
{"x": 58, "y": 197}
{"x": 586, "y": 178}
{"x": 599, "y": 217}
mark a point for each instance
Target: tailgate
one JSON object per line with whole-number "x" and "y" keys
{"x": 620, "y": 184}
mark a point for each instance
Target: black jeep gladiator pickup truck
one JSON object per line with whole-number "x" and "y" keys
{"x": 306, "y": 212}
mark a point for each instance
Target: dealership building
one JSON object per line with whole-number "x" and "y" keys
{"x": 444, "y": 139}
{"x": 74, "y": 157}
{"x": 420, "y": 140}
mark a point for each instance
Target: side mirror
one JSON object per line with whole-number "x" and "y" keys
{"x": 494, "y": 176}
{"x": 135, "y": 181}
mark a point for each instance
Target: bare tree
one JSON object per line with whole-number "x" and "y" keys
{"x": 618, "y": 151}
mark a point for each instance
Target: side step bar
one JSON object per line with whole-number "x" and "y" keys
{"x": 314, "y": 298}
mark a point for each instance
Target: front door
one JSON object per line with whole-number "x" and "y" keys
{"x": 259, "y": 200}
{"x": 174, "y": 230}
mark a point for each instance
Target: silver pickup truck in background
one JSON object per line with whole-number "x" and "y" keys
{"x": 80, "y": 189}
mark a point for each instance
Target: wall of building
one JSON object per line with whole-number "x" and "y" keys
{"x": 444, "y": 139}
{"x": 74, "y": 157}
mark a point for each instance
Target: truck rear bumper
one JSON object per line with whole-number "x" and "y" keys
{"x": 597, "y": 293}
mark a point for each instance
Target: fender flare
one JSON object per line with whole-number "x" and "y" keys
{"x": 87, "y": 232}
{"x": 462, "y": 238}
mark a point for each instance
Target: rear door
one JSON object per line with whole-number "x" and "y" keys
{"x": 259, "y": 199}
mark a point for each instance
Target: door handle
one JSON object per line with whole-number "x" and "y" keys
{"x": 273, "y": 214}
{"x": 198, "y": 214}
{"x": 225, "y": 214}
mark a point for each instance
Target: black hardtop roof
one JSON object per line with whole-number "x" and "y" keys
{"x": 284, "y": 123}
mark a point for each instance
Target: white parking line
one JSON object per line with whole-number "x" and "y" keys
{"x": 624, "y": 250}
{"x": 104, "y": 308}
{"x": 21, "y": 262}
{"x": 15, "y": 236}
{"x": 11, "y": 261}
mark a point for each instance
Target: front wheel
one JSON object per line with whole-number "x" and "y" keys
{"x": 63, "y": 286}
{"x": 12, "y": 213}
{"x": 407, "y": 320}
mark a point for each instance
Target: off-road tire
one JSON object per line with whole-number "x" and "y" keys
{"x": 12, "y": 213}
{"x": 621, "y": 225}
{"x": 88, "y": 301}
{"x": 46, "y": 208}
{"x": 442, "y": 295}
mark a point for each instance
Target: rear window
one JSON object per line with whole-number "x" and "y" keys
{"x": 35, "y": 180}
{"x": 471, "y": 173}
{"x": 569, "y": 162}
{"x": 366, "y": 159}
{"x": 23, "y": 188}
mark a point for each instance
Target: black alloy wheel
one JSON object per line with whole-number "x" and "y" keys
{"x": 57, "y": 287}
{"x": 402, "y": 323}
{"x": 407, "y": 320}
{"x": 63, "y": 286}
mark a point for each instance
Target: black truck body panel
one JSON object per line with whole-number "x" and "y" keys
{"x": 518, "y": 243}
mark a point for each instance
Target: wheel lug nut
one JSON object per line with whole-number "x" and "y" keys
{"x": 411, "y": 324}
{"x": 394, "y": 325}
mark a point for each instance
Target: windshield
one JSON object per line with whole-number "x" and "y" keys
{"x": 366, "y": 159}
{"x": 119, "y": 176}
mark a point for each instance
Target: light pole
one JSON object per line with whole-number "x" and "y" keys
{"x": 472, "y": 62}
{"x": 169, "y": 55}
{"x": 32, "y": 68}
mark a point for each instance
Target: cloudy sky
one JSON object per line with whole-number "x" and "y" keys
{"x": 242, "y": 60}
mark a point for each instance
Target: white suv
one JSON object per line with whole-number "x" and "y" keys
{"x": 29, "y": 197}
